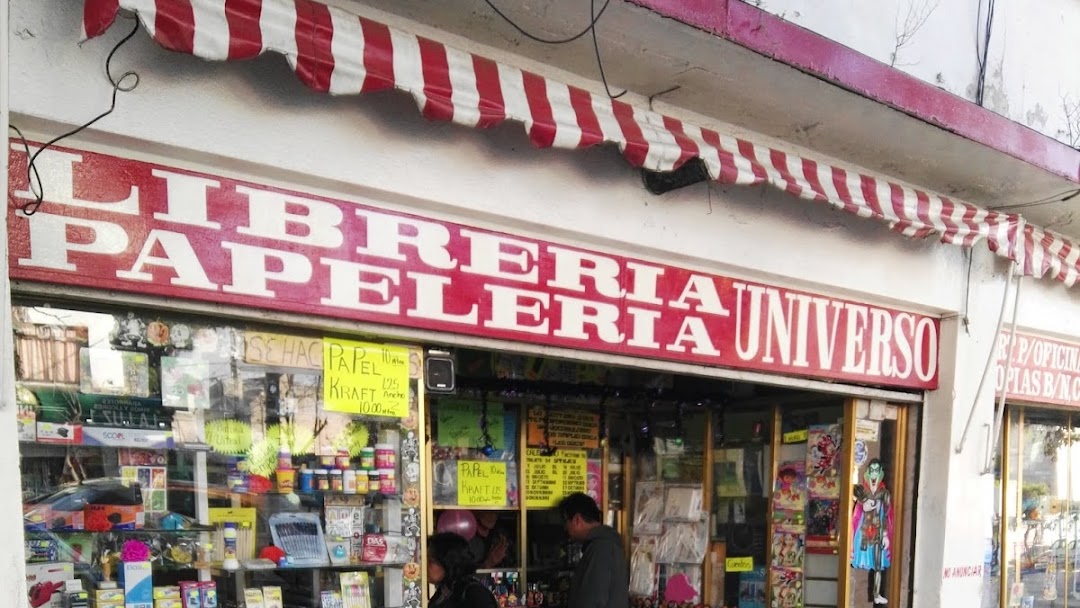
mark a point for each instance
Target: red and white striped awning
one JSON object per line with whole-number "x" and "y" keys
{"x": 333, "y": 51}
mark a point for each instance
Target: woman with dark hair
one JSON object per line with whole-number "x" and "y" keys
{"x": 450, "y": 568}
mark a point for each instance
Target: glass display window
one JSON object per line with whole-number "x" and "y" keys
{"x": 519, "y": 434}
{"x": 800, "y": 497}
{"x": 168, "y": 455}
{"x": 1035, "y": 555}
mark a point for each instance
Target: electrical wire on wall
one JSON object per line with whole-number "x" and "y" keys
{"x": 982, "y": 46}
{"x": 594, "y": 17}
{"x": 124, "y": 83}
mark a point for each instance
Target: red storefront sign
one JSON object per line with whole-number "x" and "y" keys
{"x": 126, "y": 225}
{"x": 1042, "y": 370}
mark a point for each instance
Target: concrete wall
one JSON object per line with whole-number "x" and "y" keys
{"x": 1033, "y": 71}
{"x": 255, "y": 120}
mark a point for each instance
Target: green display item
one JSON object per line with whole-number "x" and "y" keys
{"x": 458, "y": 424}
{"x": 354, "y": 438}
{"x": 262, "y": 456}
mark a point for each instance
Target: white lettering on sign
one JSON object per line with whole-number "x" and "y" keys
{"x": 125, "y": 225}
{"x": 1042, "y": 370}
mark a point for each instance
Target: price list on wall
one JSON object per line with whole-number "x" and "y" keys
{"x": 566, "y": 429}
{"x": 549, "y": 478}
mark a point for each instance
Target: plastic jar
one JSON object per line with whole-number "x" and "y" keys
{"x": 349, "y": 481}
{"x": 342, "y": 460}
{"x": 387, "y": 481}
{"x": 367, "y": 458}
{"x": 307, "y": 481}
{"x": 385, "y": 457}
{"x": 337, "y": 483}
{"x": 322, "y": 480}
{"x": 373, "y": 480}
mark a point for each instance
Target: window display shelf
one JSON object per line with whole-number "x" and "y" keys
{"x": 217, "y": 570}
{"x": 129, "y": 416}
{"x": 482, "y": 508}
{"x": 199, "y": 530}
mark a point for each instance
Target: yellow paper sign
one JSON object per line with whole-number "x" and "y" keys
{"x": 481, "y": 484}
{"x": 549, "y": 478}
{"x": 739, "y": 564}
{"x": 263, "y": 348}
{"x": 796, "y": 436}
{"x": 367, "y": 379}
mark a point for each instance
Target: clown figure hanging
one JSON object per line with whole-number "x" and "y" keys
{"x": 872, "y": 527}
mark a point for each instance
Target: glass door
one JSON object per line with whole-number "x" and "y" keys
{"x": 879, "y": 504}
{"x": 1041, "y": 538}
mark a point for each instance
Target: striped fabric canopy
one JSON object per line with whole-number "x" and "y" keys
{"x": 336, "y": 52}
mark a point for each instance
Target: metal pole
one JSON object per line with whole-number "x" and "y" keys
{"x": 989, "y": 359}
{"x": 999, "y": 416}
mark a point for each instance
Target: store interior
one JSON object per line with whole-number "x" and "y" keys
{"x": 234, "y": 463}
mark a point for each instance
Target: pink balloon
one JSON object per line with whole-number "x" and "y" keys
{"x": 460, "y": 522}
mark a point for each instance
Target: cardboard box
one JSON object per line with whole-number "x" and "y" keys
{"x": 138, "y": 585}
{"x": 272, "y": 597}
{"x": 170, "y": 603}
{"x": 122, "y": 517}
{"x": 386, "y": 549}
{"x": 45, "y": 583}
{"x": 192, "y": 597}
{"x": 253, "y": 598}
{"x": 208, "y": 594}
{"x": 109, "y": 598}
{"x": 27, "y": 419}
{"x": 167, "y": 593}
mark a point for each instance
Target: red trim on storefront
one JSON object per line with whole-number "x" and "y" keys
{"x": 764, "y": 33}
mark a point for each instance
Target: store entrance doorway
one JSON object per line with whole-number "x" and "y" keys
{"x": 726, "y": 494}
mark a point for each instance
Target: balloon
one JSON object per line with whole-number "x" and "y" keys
{"x": 462, "y": 523}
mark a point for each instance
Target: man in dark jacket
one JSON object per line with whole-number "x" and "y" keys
{"x": 601, "y": 579}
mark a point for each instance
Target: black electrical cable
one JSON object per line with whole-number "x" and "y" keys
{"x": 596, "y": 48}
{"x": 1049, "y": 200}
{"x": 589, "y": 28}
{"x": 594, "y": 17}
{"x": 31, "y": 207}
{"x": 983, "y": 54}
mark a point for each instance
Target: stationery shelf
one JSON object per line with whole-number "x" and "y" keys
{"x": 217, "y": 570}
{"x": 245, "y": 438}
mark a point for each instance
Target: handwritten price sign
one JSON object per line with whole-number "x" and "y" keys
{"x": 481, "y": 484}
{"x": 367, "y": 379}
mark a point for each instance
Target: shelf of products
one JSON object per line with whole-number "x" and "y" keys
{"x": 184, "y": 462}
{"x": 501, "y": 461}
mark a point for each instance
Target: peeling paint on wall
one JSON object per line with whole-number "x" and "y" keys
{"x": 1036, "y": 117}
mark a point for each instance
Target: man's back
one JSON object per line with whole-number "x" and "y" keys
{"x": 602, "y": 578}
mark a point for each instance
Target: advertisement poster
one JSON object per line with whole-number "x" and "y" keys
{"x": 790, "y": 491}
{"x": 787, "y": 588}
{"x": 823, "y": 461}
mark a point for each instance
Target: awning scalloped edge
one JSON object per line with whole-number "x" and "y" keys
{"x": 333, "y": 51}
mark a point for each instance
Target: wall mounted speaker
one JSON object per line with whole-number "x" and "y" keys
{"x": 439, "y": 372}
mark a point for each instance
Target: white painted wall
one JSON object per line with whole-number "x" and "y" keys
{"x": 12, "y": 557}
{"x": 1033, "y": 74}
{"x": 254, "y": 120}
